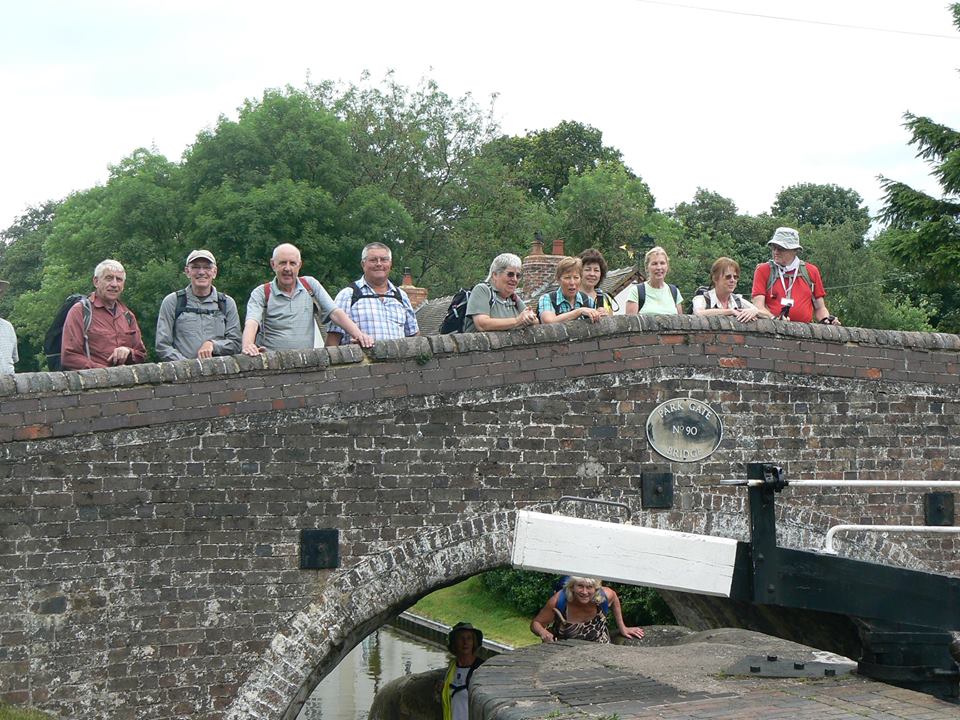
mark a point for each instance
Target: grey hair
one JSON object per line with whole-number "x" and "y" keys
{"x": 503, "y": 261}
{"x": 283, "y": 245}
{"x": 375, "y": 246}
{"x": 108, "y": 264}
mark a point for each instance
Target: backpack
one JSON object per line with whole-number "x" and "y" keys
{"x": 359, "y": 295}
{"x": 642, "y": 294}
{"x": 456, "y": 315}
{"x": 457, "y": 312}
{"x": 552, "y": 294}
{"x": 705, "y": 292}
{"x": 182, "y": 308}
{"x": 801, "y": 271}
{"x": 53, "y": 340}
{"x": 266, "y": 300}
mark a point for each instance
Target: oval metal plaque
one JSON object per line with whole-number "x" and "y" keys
{"x": 684, "y": 430}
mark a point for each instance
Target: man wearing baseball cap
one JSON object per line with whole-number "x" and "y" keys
{"x": 8, "y": 341}
{"x": 788, "y": 287}
{"x": 198, "y": 321}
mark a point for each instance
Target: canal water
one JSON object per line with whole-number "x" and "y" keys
{"x": 347, "y": 692}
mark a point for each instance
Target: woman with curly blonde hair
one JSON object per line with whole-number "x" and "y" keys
{"x": 578, "y": 611}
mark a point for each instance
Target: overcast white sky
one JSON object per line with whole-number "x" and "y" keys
{"x": 736, "y": 103}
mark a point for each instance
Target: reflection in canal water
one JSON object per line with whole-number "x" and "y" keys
{"x": 347, "y": 692}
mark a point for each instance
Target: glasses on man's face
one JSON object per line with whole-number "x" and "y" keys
{"x": 378, "y": 260}
{"x": 511, "y": 274}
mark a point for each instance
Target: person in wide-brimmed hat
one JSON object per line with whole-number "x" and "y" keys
{"x": 788, "y": 287}
{"x": 464, "y": 641}
{"x": 8, "y": 341}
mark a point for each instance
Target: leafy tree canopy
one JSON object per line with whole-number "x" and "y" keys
{"x": 544, "y": 161}
{"x": 926, "y": 229}
{"x": 820, "y": 205}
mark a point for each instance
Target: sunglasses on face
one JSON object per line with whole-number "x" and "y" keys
{"x": 511, "y": 274}
{"x": 731, "y": 276}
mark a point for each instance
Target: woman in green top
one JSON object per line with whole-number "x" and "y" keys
{"x": 655, "y": 296}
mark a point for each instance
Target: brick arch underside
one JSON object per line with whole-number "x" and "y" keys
{"x": 356, "y": 601}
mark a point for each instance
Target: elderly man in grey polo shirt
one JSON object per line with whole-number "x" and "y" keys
{"x": 198, "y": 321}
{"x": 282, "y": 311}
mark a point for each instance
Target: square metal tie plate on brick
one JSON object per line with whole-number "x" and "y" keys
{"x": 938, "y": 508}
{"x": 656, "y": 490}
{"x": 771, "y": 666}
{"x": 319, "y": 548}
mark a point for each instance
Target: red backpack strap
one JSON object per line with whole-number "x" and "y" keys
{"x": 306, "y": 286}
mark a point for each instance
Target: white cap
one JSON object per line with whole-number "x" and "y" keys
{"x": 787, "y": 238}
{"x": 201, "y": 255}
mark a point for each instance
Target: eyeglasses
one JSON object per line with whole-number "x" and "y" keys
{"x": 730, "y": 276}
{"x": 377, "y": 260}
{"x": 511, "y": 274}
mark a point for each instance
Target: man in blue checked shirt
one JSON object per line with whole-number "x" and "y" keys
{"x": 376, "y": 305}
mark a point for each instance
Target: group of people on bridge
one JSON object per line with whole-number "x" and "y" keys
{"x": 199, "y": 321}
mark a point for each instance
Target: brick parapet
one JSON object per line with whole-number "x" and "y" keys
{"x": 48, "y": 405}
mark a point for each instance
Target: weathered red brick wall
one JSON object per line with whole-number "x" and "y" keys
{"x": 151, "y": 514}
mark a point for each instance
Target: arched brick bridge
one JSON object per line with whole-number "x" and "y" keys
{"x": 151, "y": 515}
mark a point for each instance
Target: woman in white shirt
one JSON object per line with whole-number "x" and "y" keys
{"x": 720, "y": 298}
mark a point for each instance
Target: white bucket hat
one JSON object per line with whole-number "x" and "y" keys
{"x": 787, "y": 238}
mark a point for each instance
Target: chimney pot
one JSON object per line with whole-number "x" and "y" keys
{"x": 558, "y": 246}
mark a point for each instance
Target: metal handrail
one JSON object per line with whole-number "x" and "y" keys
{"x": 828, "y": 542}
{"x": 598, "y": 502}
{"x": 853, "y": 483}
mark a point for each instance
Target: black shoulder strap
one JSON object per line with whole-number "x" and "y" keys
{"x": 355, "y": 293}
{"x": 181, "y": 304}
{"x": 674, "y": 291}
{"x": 641, "y": 294}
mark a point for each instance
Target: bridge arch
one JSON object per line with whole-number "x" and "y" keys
{"x": 354, "y": 602}
{"x": 151, "y": 514}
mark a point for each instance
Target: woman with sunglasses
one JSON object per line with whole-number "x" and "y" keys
{"x": 720, "y": 298}
{"x": 494, "y": 303}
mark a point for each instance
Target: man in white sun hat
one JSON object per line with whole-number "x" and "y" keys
{"x": 788, "y": 287}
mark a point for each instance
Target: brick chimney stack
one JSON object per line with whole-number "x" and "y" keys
{"x": 539, "y": 269}
{"x": 418, "y": 296}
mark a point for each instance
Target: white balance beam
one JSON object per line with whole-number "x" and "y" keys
{"x": 700, "y": 564}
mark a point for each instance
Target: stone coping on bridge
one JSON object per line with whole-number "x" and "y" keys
{"x": 679, "y": 675}
{"x": 59, "y": 404}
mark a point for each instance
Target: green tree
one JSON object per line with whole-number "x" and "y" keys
{"x": 607, "y": 208}
{"x": 544, "y": 161}
{"x": 820, "y": 205}
{"x": 499, "y": 217}
{"x": 864, "y": 289}
{"x": 713, "y": 227}
{"x": 417, "y": 146}
{"x": 136, "y": 218}
{"x": 21, "y": 263}
{"x": 925, "y": 230}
